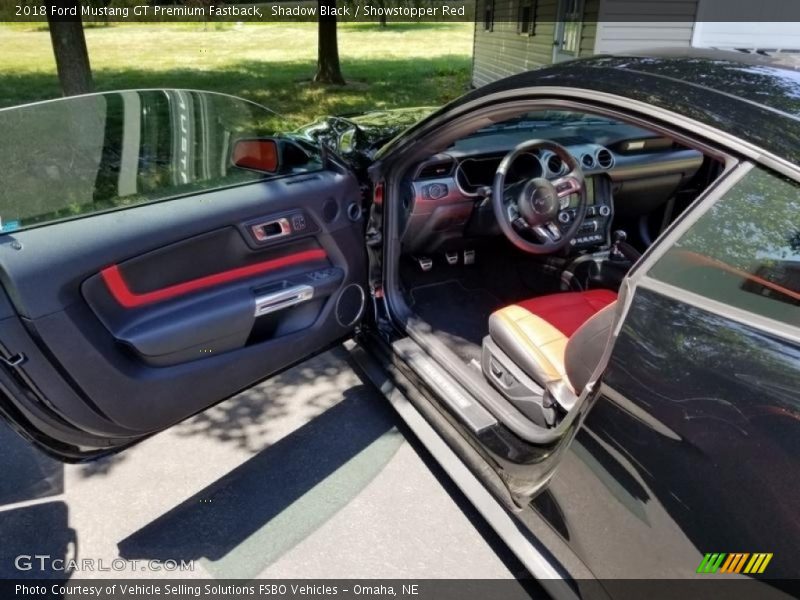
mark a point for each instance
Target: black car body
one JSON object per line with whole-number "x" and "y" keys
{"x": 682, "y": 443}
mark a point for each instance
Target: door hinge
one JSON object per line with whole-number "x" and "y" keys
{"x": 382, "y": 323}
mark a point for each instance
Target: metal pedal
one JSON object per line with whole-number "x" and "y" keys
{"x": 469, "y": 257}
{"x": 425, "y": 263}
{"x": 452, "y": 258}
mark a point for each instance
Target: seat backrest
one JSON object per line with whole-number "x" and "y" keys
{"x": 585, "y": 347}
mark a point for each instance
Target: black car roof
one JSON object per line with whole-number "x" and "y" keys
{"x": 752, "y": 97}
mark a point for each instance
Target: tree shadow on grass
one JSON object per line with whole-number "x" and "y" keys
{"x": 282, "y": 86}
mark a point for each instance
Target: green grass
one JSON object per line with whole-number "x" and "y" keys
{"x": 272, "y": 63}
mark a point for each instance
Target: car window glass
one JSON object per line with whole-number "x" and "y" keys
{"x": 745, "y": 251}
{"x": 86, "y": 154}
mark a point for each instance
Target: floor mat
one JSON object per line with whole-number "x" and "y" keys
{"x": 458, "y": 315}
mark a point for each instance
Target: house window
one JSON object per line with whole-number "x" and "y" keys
{"x": 526, "y": 23}
{"x": 570, "y": 26}
{"x": 488, "y": 16}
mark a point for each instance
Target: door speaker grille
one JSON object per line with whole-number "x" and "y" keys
{"x": 350, "y": 305}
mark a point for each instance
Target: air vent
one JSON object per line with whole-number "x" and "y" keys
{"x": 605, "y": 159}
{"x": 587, "y": 160}
{"x": 436, "y": 169}
{"x": 555, "y": 165}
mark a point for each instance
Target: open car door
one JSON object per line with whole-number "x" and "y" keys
{"x": 158, "y": 254}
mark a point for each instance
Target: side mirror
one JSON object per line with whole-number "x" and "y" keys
{"x": 347, "y": 140}
{"x": 256, "y": 154}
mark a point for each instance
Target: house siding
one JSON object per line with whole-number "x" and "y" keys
{"x": 502, "y": 51}
{"x": 621, "y": 26}
{"x": 591, "y": 13}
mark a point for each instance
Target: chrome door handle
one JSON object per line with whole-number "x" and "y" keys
{"x": 270, "y": 230}
{"x": 284, "y": 298}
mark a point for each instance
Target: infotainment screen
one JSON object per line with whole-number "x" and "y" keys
{"x": 573, "y": 200}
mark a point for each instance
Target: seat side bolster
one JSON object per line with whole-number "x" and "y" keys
{"x": 531, "y": 342}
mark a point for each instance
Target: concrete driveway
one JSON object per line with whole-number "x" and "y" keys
{"x": 308, "y": 475}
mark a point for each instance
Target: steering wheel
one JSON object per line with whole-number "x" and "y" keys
{"x": 528, "y": 211}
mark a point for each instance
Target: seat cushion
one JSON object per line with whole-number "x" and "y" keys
{"x": 530, "y": 342}
{"x": 535, "y": 333}
{"x": 569, "y": 310}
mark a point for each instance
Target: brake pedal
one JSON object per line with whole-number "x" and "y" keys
{"x": 452, "y": 258}
{"x": 425, "y": 263}
{"x": 469, "y": 257}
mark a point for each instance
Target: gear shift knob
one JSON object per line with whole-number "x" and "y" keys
{"x": 620, "y": 251}
{"x": 617, "y": 237}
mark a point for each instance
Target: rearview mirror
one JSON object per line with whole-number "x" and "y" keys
{"x": 258, "y": 155}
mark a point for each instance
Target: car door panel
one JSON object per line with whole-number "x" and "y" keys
{"x": 170, "y": 308}
{"x": 687, "y": 448}
{"x": 132, "y": 320}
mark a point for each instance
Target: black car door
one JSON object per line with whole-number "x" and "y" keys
{"x": 145, "y": 276}
{"x": 686, "y": 465}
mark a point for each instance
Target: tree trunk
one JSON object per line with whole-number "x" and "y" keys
{"x": 328, "y": 70}
{"x": 382, "y": 18}
{"x": 72, "y": 57}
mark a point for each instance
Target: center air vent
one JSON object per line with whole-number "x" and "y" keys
{"x": 587, "y": 160}
{"x": 555, "y": 165}
{"x": 605, "y": 159}
{"x": 436, "y": 168}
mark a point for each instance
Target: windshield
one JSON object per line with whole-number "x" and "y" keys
{"x": 87, "y": 154}
{"x": 548, "y": 118}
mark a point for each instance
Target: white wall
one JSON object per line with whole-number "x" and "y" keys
{"x": 764, "y": 35}
{"x": 753, "y": 24}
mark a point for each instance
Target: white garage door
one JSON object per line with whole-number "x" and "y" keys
{"x": 763, "y": 24}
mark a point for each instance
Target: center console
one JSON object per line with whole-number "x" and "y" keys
{"x": 595, "y": 229}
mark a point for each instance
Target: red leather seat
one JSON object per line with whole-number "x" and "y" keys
{"x": 569, "y": 310}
